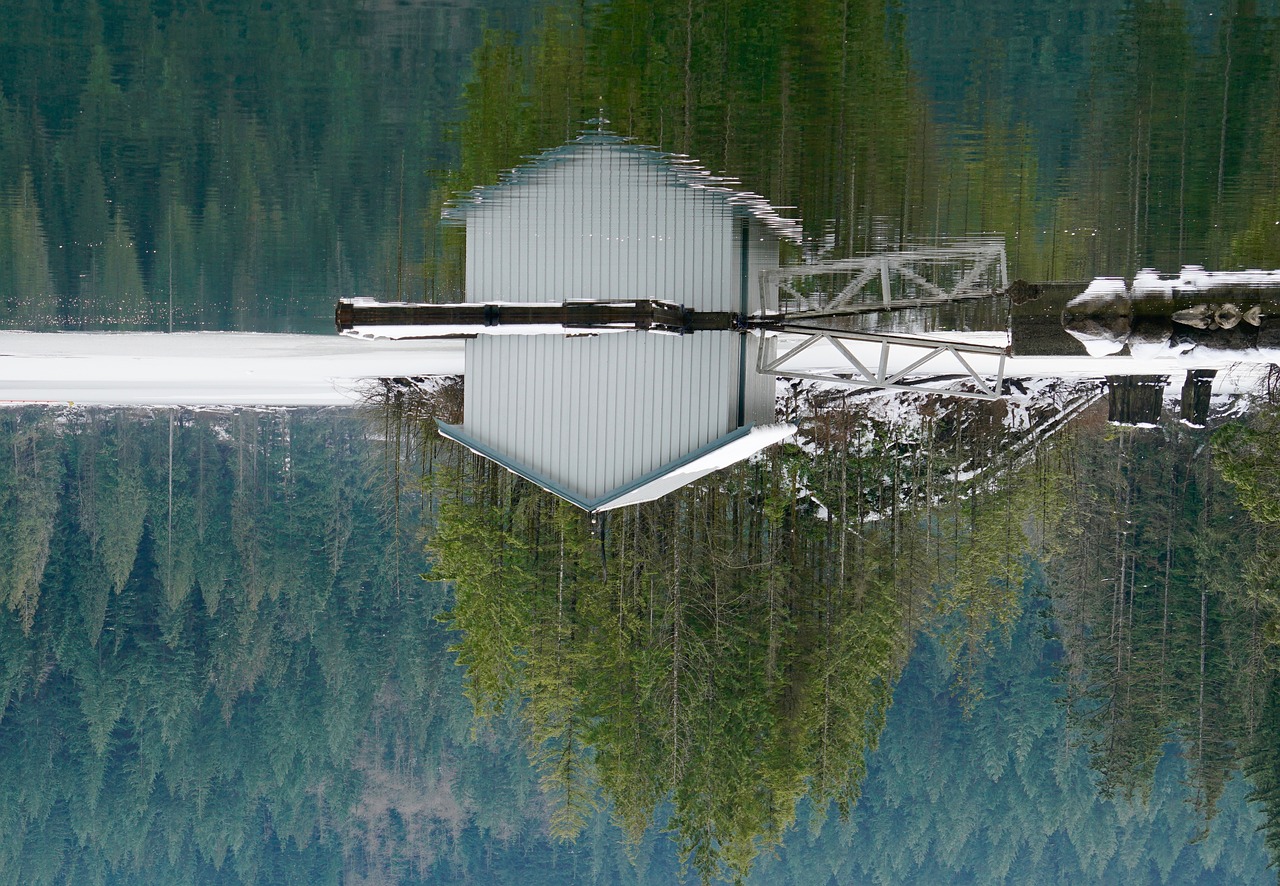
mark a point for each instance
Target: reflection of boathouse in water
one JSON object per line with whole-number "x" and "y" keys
{"x": 601, "y": 218}
{"x": 617, "y": 417}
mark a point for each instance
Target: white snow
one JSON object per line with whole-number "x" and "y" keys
{"x": 206, "y": 368}
{"x": 242, "y": 369}
{"x": 417, "y": 332}
{"x": 756, "y": 440}
{"x": 1165, "y": 361}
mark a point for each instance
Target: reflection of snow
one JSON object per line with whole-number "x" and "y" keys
{"x": 206, "y": 368}
{"x": 1097, "y": 345}
{"x": 1102, "y": 293}
{"x": 1149, "y": 283}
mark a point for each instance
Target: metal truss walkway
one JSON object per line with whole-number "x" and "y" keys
{"x": 919, "y": 276}
{"x": 890, "y": 362}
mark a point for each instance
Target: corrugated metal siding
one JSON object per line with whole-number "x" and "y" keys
{"x": 595, "y": 413}
{"x": 605, "y": 223}
{"x": 761, "y": 390}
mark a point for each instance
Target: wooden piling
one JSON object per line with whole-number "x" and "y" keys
{"x": 1135, "y": 399}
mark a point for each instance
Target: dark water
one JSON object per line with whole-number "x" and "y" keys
{"x": 929, "y": 640}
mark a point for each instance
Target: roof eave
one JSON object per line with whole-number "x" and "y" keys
{"x": 629, "y": 493}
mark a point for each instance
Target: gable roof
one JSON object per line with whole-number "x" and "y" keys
{"x": 679, "y": 170}
{"x": 731, "y": 448}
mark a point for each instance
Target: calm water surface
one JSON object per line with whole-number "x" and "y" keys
{"x": 927, "y": 640}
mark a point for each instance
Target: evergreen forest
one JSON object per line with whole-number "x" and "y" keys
{"x": 760, "y": 631}
{"x": 926, "y": 640}
{"x": 222, "y": 663}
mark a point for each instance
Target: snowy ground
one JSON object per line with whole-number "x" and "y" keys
{"x": 1146, "y": 359}
{"x": 206, "y": 368}
{"x": 242, "y": 369}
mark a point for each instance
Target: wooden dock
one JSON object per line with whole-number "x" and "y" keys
{"x": 651, "y": 314}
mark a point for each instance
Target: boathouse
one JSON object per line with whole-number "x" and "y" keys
{"x": 610, "y": 420}
{"x": 619, "y": 417}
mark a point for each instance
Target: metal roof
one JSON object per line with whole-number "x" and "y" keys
{"x": 732, "y": 447}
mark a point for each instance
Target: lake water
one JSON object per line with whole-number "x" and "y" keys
{"x": 925, "y": 638}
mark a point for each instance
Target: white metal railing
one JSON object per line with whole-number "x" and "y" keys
{"x": 887, "y": 361}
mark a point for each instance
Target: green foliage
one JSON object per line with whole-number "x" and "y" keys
{"x": 219, "y": 664}
{"x": 757, "y": 640}
{"x": 1249, "y": 458}
{"x": 998, "y": 791}
{"x": 1169, "y": 637}
{"x": 1136, "y": 619}
{"x": 30, "y": 479}
{"x": 695, "y": 616}
{"x": 290, "y": 724}
{"x": 302, "y": 721}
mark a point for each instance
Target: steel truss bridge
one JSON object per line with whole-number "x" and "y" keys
{"x": 921, "y": 276}
{"x": 805, "y": 303}
{"x": 876, "y": 360}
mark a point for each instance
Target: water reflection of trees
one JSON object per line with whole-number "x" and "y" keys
{"x": 1159, "y": 170}
{"x": 813, "y": 104}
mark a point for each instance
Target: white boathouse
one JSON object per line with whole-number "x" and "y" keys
{"x": 611, "y": 419}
